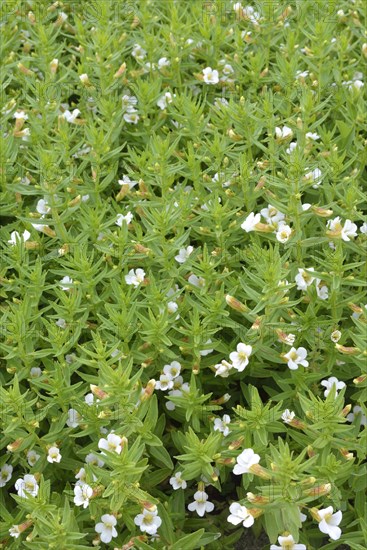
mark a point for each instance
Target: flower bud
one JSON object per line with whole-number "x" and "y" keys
{"x": 360, "y": 379}
{"x": 15, "y": 445}
{"x": 141, "y": 249}
{"x": 84, "y": 79}
{"x": 54, "y": 65}
{"x": 236, "y": 444}
{"x": 364, "y": 49}
{"x": 255, "y": 512}
{"x": 355, "y": 308}
{"x": 75, "y": 201}
{"x": 256, "y": 324}
{"x": 226, "y": 461}
{"x": 346, "y": 410}
{"x": 256, "y": 499}
{"x": 347, "y": 350}
{"x": 233, "y": 135}
{"x": 260, "y": 471}
{"x": 24, "y": 70}
{"x": 236, "y": 304}
{"x": 322, "y": 212}
{"x": 98, "y": 392}
{"x": 319, "y": 490}
{"x": 347, "y": 455}
{"x": 120, "y": 71}
{"x": 148, "y": 390}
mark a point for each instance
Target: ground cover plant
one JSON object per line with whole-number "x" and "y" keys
{"x": 183, "y": 274}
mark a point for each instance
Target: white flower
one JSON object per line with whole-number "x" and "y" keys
{"x": 335, "y": 336}
{"x": 356, "y": 411}
{"x": 287, "y": 543}
{"x": 131, "y": 118}
{"x": 5, "y": 474}
{"x": 93, "y": 459}
{"x": 196, "y": 281}
{"x": 204, "y": 352}
{"x": 111, "y": 444}
{"x": 363, "y": 228}
{"x": 349, "y": 230}
{"x": 173, "y": 369}
{"x": 240, "y": 514}
{"x": 283, "y": 133}
{"x": 201, "y": 504}
{"x": 222, "y": 369}
{"x": 329, "y": 383}
{"x": 74, "y": 418}
{"x": 89, "y": 399}
{"x": 71, "y": 117}
{"x": 138, "y": 52}
{"x": 312, "y": 136}
{"x": 315, "y": 176}
{"x": 177, "y": 482}
{"x": 250, "y": 222}
{"x": 291, "y": 148}
{"x": 172, "y": 307}
{"x": 321, "y": 289}
{"x": 106, "y": 528}
{"x": 32, "y": 457}
{"x": 288, "y": 416}
{"x": 27, "y": 486}
{"x": 356, "y": 85}
{"x": 14, "y": 531}
{"x": 135, "y": 277}
{"x": 211, "y": 76}
{"x": 121, "y": 218}
{"x": 220, "y": 101}
{"x": 62, "y": 16}
{"x": 289, "y": 339}
{"x": 61, "y": 323}
{"x": 329, "y": 522}
{"x": 296, "y": 357}
{"x": 221, "y": 424}
{"x": 21, "y": 114}
{"x": 179, "y": 386}
{"x": 240, "y": 357}
{"x": 35, "y": 372}
{"x": 127, "y": 181}
{"x": 283, "y": 232}
{"x": 304, "y": 279}
{"x": 245, "y": 461}
{"x": 165, "y": 382}
{"x": 148, "y": 521}
{"x": 163, "y": 62}
{"x": 53, "y": 454}
{"x": 16, "y": 237}
{"x": 306, "y": 206}
{"x": 129, "y": 102}
{"x": 183, "y": 254}
{"x": 42, "y": 207}
{"x": 83, "y": 493}
{"x": 165, "y": 100}
{"x": 272, "y": 215}
{"x": 66, "y": 282}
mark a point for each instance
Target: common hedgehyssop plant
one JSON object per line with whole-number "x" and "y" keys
{"x": 183, "y": 274}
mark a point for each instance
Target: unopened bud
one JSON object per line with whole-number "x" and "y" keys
{"x": 75, "y": 201}
{"x": 221, "y": 400}
{"x": 364, "y": 49}
{"x": 355, "y": 308}
{"x": 264, "y": 228}
{"x": 48, "y": 231}
{"x": 310, "y": 451}
{"x": 54, "y": 65}
{"x": 98, "y": 392}
{"x": 322, "y": 212}
{"x": 347, "y": 350}
{"x": 319, "y": 490}
{"x": 255, "y": 512}
{"x": 236, "y": 444}
{"x": 346, "y": 410}
{"x": 256, "y": 324}
{"x": 141, "y": 249}
{"x": 233, "y": 135}
{"x": 360, "y": 379}
{"x": 148, "y": 390}
{"x": 24, "y": 70}
{"x": 236, "y": 304}
{"x": 226, "y": 461}
{"x": 346, "y": 454}
{"x": 256, "y": 499}
{"x": 15, "y": 445}
{"x": 309, "y": 481}
{"x": 121, "y": 71}
{"x": 260, "y": 471}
